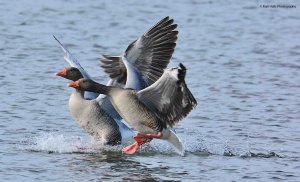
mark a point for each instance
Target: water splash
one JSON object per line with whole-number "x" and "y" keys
{"x": 62, "y": 143}
{"x": 197, "y": 144}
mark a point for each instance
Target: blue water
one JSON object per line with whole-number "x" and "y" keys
{"x": 243, "y": 68}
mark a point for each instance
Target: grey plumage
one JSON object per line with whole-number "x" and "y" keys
{"x": 153, "y": 109}
{"x": 88, "y": 114}
{"x": 169, "y": 97}
{"x": 150, "y": 53}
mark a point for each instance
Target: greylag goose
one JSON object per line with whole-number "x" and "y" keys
{"x": 150, "y": 53}
{"x": 82, "y": 104}
{"x": 91, "y": 117}
{"x": 149, "y": 111}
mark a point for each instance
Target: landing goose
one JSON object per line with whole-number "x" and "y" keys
{"x": 152, "y": 110}
{"x": 150, "y": 53}
{"x": 91, "y": 117}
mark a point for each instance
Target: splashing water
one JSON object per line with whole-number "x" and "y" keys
{"x": 60, "y": 143}
{"x": 198, "y": 145}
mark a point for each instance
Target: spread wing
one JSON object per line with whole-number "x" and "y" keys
{"x": 150, "y": 53}
{"x": 169, "y": 96}
{"x": 71, "y": 59}
{"x": 114, "y": 67}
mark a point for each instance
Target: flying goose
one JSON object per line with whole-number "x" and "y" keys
{"x": 150, "y": 111}
{"x": 150, "y": 53}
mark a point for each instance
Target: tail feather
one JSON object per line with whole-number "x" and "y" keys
{"x": 174, "y": 140}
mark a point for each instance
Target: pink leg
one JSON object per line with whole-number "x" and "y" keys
{"x": 140, "y": 140}
{"x": 131, "y": 149}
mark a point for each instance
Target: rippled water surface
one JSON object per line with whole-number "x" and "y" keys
{"x": 243, "y": 67}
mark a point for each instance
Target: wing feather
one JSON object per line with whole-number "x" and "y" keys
{"x": 150, "y": 53}
{"x": 72, "y": 60}
{"x": 169, "y": 97}
{"x": 114, "y": 67}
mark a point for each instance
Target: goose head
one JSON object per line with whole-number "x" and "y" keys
{"x": 70, "y": 73}
{"x": 86, "y": 84}
{"x": 82, "y": 84}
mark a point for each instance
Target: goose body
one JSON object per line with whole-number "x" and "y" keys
{"x": 133, "y": 111}
{"x": 94, "y": 120}
{"x": 90, "y": 116}
{"x": 152, "y": 110}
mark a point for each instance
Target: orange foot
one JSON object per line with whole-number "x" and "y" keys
{"x": 140, "y": 140}
{"x": 131, "y": 149}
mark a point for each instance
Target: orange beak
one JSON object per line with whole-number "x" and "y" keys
{"x": 74, "y": 84}
{"x": 62, "y": 72}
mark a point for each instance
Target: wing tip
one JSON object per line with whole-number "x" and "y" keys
{"x": 166, "y": 18}
{"x": 57, "y": 39}
{"x": 182, "y": 66}
{"x": 181, "y": 71}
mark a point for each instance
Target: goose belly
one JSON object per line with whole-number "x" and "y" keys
{"x": 135, "y": 113}
{"x": 94, "y": 121}
{"x": 75, "y": 105}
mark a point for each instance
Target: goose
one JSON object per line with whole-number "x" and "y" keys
{"x": 90, "y": 116}
{"x": 150, "y": 53}
{"x": 150, "y": 111}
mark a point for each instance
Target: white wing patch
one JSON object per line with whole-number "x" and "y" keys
{"x": 169, "y": 97}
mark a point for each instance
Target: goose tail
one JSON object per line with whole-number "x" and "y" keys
{"x": 174, "y": 140}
